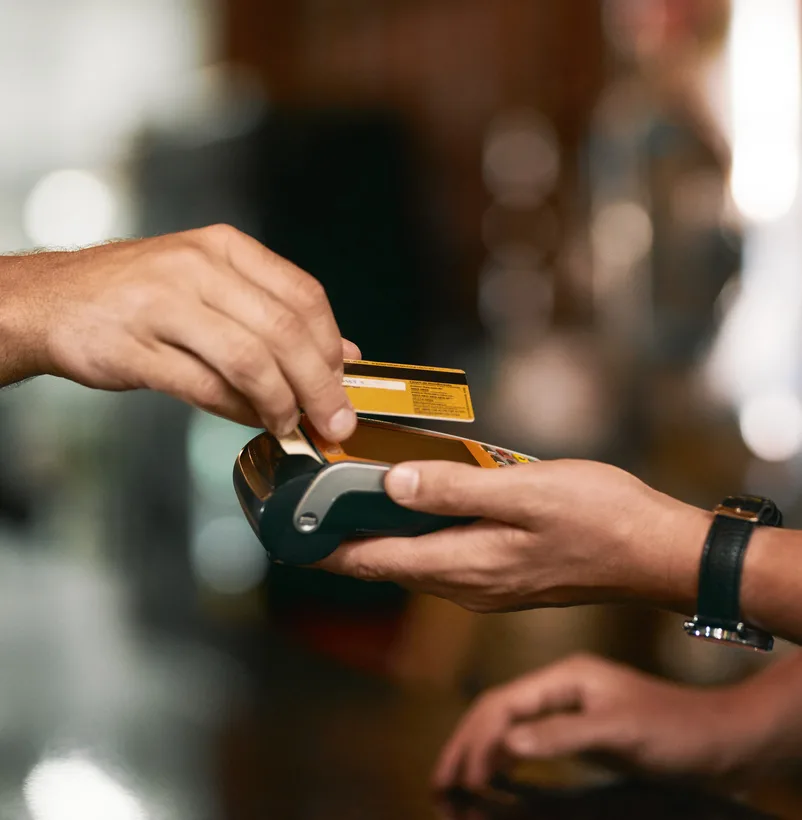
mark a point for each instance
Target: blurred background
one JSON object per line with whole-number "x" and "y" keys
{"x": 591, "y": 206}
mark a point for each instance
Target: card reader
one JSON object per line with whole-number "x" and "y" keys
{"x": 303, "y": 496}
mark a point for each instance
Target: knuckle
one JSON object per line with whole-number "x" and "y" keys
{"x": 247, "y": 357}
{"x": 444, "y": 481}
{"x": 217, "y": 235}
{"x": 209, "y": 390}
{"x": 363, "y": 571}
{"x": 309, "y": 293}
{"x": 146, "y": 299}
{"x": 286, "y": 328}
{"x": 181, "y": 258}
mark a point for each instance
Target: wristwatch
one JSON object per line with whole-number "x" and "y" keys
{"x": 718, "y": 606}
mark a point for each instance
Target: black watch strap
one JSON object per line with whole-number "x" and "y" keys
{"x": 721, "y": 568}
{"x": 718, "y": 606}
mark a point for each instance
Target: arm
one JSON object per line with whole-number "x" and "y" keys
{"x": 588, "y": 705}
{"x": 771, "y": 588}
{"x": 209, "y": 316}
{"x": 568, "y": 532}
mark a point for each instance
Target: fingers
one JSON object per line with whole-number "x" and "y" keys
{"x": 483, "y": 755}
{"x": 240, "y": 358}
{"x": 287, "y": 310}
{"x": 480, "y": 746}
{"x": 449, "y": 488}
{"x": 287, "y": 331}
{"x": 274, "y": 370}
{"x": 296, "y": 289}
{"x": 475, "y": 752}
{"x": 425, "y": 563}
{"x": 198, "y": 385}
{"x": 563, "y": 735}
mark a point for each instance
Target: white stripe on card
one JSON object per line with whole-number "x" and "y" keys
{"x": 378, "y": 384}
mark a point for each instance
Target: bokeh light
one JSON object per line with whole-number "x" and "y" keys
{"x": 77, "y": 789}
{"x": 765, "y": 88}
{"x": 515, "y": 295}
{"x": 70, "y": 208}
{"x": 622, "y": 234}
{"x": 226, "y": 556}
{"x": 521, "y": 158}
{"x": 771, "y": 425}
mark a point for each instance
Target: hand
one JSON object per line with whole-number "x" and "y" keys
{"x": 209, "y": 316}
{"x": 586, "y": 704}
{"x": 554, "y": 533}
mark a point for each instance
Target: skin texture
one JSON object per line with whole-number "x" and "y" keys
{"x": 209, "y": 316}
{"x": 589, "y": 705}
{"x": 554, "y": 534}
{"x": 566, "y": 532}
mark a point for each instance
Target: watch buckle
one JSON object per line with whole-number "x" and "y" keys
{"x": 737, "y": 512}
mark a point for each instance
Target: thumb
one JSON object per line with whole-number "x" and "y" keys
{"x": 451, "y": 488}
{"x": 561, "y": 735}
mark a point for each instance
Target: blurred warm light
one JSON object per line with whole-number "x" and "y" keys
{"x": 76, "y": 789}
{"x": 771, "y": 426}
{"x": 70, "y": 208}
{"x": 226, "y": 556}
{"x": 622, "y": 234}
{"x": 757, "y": 348}
{"x": 557, "y": 394}
{"x": 521, "y": 159}
{"x": 515, "y": 296}
{"x": 765, "y": 82}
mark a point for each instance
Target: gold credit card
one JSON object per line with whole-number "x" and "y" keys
{"x": 408, "y": 391}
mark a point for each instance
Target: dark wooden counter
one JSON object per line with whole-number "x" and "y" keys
{"x": 320, "y": 742}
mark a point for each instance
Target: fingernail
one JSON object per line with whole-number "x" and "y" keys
{"x": 342, "y": 424}
{"x": 402, "y": 483}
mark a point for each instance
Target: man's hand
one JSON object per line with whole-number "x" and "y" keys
{"x": 553, "y": 533}
{"x": 209, "y": 316}
{"x": 586, "y": 704}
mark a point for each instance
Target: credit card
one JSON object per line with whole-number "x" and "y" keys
{"x": 408, "y": 391}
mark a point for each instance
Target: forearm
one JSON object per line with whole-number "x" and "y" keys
{"x": 771, "y": 587}
{"x": 22, "y": 343}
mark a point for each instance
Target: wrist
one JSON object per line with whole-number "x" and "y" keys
{"x": 23, "y": 341}
{"x": 770, "y": 582}
{"x": 670, "y": 553}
